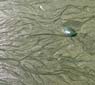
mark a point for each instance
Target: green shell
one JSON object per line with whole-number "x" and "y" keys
{"x": 69, "y": 32}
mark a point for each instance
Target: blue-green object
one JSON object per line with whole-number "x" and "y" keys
{"x": 69, "y": 32}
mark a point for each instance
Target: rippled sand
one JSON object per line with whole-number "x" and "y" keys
{"x": 34, "y": 49}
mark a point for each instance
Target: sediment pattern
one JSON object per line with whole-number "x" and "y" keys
{"x": 33, "y": 48}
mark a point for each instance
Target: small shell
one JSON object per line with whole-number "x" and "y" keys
{"x": 69, "y": 32}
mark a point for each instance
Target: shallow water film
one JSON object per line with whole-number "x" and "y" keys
{"x": 36, "y": 50}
